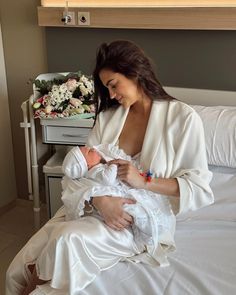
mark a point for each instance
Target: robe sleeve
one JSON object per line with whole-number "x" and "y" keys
{"x": 191, "y": 168}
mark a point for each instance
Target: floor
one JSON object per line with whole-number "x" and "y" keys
{"x": 16, "y": 227}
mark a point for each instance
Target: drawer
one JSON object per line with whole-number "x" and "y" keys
{"x": 65, "y": 135}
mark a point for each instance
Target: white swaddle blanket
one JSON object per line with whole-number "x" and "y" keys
{"x": 154, "y": 221}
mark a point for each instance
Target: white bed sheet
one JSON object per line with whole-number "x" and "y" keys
{"x": 204, "y": 263}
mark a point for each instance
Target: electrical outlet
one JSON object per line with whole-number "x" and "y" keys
{"x": 68, "y": 18}
{"x": 84, "y": 18}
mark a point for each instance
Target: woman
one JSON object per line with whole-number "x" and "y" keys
{"x": 136, "y": 113}
{"x": 163, "y": 134}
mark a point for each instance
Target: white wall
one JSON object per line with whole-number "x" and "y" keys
{"x": 7, "y": 171}
{"x": 25, "y": 58}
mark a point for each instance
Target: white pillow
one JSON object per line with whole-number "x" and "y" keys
{"x": 220, "y": 133}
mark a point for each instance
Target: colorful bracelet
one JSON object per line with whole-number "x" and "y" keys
{"x": 147, "y": 175}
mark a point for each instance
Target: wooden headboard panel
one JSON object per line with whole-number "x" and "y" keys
{"x": 203, "y": 96}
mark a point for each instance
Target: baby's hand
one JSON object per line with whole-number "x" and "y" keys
{"x": 129, "y": 174}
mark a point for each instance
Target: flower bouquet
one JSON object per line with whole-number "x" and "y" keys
{"x": 65, "y": 97}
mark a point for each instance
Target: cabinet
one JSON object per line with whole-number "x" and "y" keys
{"x": 53, "y": 176}
{"x": 65, "y": 133}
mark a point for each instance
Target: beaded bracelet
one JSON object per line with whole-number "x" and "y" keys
{"x": 90, "y": 204}
{"x": 148, "y": 176}
{"x": 90, "y": 210}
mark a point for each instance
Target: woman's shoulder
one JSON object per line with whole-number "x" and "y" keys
{"x": 178, "y": 112}
{"x": 176, "y": 104}
{"x": 177, "y": 107}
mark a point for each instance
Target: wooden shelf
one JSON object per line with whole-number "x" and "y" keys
{"x": 176, "y": 18}
{"x": 140, "y": 3}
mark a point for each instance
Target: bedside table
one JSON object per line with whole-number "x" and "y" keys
{"x": 63, "y": 133}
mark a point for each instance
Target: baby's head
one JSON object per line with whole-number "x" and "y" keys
{"x": 79, "y": 160}
{"x": 91, "y": 156}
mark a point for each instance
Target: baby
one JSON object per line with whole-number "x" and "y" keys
{"x": 94, "y": 176}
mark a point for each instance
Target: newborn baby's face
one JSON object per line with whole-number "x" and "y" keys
{"x": 92, "y": 157}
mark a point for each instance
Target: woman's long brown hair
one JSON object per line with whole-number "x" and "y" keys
{"x": 126, "y": 58}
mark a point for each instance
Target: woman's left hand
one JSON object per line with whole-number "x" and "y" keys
{"x": 128, "y": 173}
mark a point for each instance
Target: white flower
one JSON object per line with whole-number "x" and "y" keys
{"x": 85, "y": 83}
{"x": 83, "y": 79}
{"x": 83, "y": 89}
{"x": 58, "y": 94}
{"x": 90, "y": 86}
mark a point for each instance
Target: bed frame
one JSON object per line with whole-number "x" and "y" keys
{"x": 206, "y": 97}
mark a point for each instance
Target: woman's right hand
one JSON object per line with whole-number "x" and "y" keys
{"x": 111, "y": 209}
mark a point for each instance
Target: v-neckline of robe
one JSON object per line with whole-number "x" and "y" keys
{"x": 153, "y": 134}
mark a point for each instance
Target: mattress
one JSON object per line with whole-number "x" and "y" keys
{"x": 203, "y": 264}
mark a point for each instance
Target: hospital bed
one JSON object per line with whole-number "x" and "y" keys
{"x": 205, "y": 261}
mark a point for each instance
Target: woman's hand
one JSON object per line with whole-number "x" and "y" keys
{"x": 129, "y": 174}
{"x": 111, "y": 209}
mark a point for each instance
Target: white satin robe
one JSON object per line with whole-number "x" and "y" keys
{"x": 173, "y": 147}
{"x": 152, "y": 214}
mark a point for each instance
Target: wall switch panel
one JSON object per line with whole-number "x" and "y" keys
{"x": 83, "y": 18}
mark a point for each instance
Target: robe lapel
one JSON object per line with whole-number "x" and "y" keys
{"x": 115, "y": 125}
{"x": 153, "y": 135}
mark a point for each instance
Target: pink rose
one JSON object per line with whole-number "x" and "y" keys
{"x": 71, "y": 85}
{"x": 92, "y": 108}
{"x": 75, "y": 102}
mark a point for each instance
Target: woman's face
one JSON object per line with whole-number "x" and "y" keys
{"x": 124, "y": 90}
{"x": 92, "y": 157}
